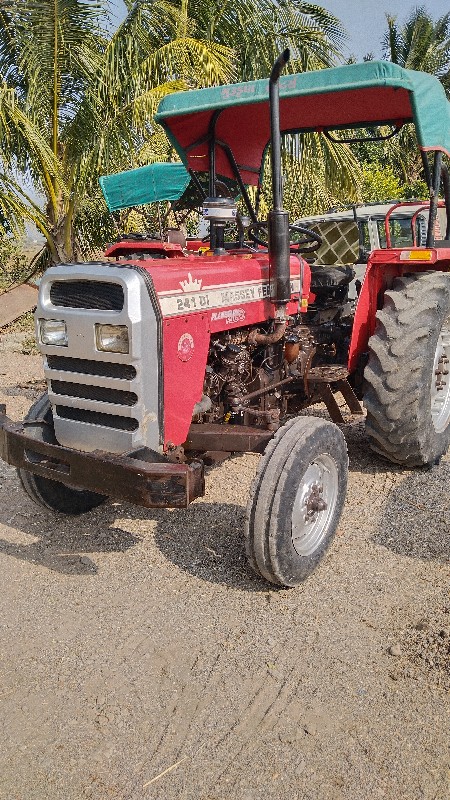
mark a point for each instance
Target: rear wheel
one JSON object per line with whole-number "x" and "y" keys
{"x": 296, "y": 500}
{"x": 407, "y": 381}
{"x": 52, "y": 494}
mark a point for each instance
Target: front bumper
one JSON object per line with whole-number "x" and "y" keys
{"x": 141, "y": 477}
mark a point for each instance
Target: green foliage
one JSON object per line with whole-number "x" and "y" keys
{"x": 14, "y": 265}
{"x": 93, "y": 225}
{"x": 78, "y": 101}
{"x": 318, "y": 174}
{"x": 134, "y": 222}
{"x": 258, "y": 31}
{"x": 415, "y": 190}
{"x": 420, "y": 43}
{"x": 379, "y": 183}
{"x": 394, "y": 168}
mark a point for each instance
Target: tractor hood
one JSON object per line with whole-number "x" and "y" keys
{"x": 357, "y": 95}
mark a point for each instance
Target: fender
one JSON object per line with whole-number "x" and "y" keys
{"x": 382, "y": 269}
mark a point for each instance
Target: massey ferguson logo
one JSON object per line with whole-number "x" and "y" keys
{"x": 191, "y": 285}
{"x": 185, "y": 347}
{"x": 230, "y": 316}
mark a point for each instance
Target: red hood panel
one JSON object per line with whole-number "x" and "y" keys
{"x": 199, "y": 274}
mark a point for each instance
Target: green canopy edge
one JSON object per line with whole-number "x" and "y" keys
{"x": 149, "y": 184}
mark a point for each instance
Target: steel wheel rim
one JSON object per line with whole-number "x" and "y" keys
{"x": 310, "y": 520}
{"x": 440, "y": 383}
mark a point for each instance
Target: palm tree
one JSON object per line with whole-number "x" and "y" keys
{"x": 420, "y": 43}
{"x": 18, "y": 134}
{"x": 257, "y": 31}
{"x": 81, "y": 102}
{"x": 81, "y": 99}
{"x": 318, "y": 171}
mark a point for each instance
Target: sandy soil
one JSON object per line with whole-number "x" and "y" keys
{"x": 140, "y": 658}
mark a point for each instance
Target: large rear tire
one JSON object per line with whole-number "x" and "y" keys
{"x": 296, "y": 500}
{"x": 52, "y": 494}
{"x": 407, "y": 381}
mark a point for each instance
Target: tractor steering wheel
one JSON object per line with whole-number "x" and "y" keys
{"x": 310, "y": 241}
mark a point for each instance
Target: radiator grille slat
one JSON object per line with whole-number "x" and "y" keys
{"x": 98, "y": 418}
{"x": 88, "y": 392}
{"x": 102, "y": 369}
{"x": 87, "y": 294}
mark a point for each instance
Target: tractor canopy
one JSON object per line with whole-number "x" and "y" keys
{"x": 149, "y": 184}
{"x": 237, "y": 117}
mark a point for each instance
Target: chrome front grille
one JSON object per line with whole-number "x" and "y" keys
{"x": 104, "y": 394}
{"x": 103, "y": 400}
{"x": 97, "y": 418}
{"x": 107, "y": 369}
{"x": 87, "y": 294}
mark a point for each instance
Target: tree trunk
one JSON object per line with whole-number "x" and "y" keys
{"x": 61, "y": 245}
{"x": 62, "y": 255}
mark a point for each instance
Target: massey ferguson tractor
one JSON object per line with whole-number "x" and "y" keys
{"x": 166, "y": 354}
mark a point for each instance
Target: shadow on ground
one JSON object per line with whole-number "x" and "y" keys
{"x": 205, "y": 540}
{"x": 416, "y": 518}
{"x": 64, "y": 544}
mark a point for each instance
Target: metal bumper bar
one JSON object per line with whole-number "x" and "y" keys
{"x": 135, "y": 478}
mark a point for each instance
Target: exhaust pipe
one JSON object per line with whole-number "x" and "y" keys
{"x": 278, "y": 220}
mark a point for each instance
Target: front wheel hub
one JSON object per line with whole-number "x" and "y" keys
{"x": 314, "y": 505}
{"x": 314, "y": 502}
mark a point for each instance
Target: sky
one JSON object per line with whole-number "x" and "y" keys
{"x": 364, "y": 20}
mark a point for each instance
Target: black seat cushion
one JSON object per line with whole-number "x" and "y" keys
{"x": 325, "y": 277}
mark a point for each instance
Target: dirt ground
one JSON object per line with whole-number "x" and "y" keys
{"x": 141, "y": 659}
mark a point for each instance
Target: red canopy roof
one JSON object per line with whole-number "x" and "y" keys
{"x": 366, "y": 94}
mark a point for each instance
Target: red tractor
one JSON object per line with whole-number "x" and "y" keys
{"x": 165, "y": 355}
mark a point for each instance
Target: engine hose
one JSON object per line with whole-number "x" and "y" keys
{"x": 255, "y": 337}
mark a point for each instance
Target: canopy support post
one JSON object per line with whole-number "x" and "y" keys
{"x": 434, "y": 196}
{"x": 212, "y": 173}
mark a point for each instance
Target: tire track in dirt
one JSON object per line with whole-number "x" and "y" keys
{"x": 261, "y": 714}
{"x": 187, "y": 706}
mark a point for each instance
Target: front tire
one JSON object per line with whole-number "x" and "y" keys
{"x": 407, "y": 382}
{"x": 53, "y": 494}
{"x": 296, "y": 500}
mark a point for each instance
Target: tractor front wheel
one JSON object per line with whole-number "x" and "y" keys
{"x": 407, "y": 378}
{"x": 296, "y": 500}
{"x": 53, "y": 494}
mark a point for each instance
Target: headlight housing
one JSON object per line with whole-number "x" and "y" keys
{"x": 112, "y": 338}
{"x": 53, "y": 332}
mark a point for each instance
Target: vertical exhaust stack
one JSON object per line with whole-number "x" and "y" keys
{"x": 278, "y": 220}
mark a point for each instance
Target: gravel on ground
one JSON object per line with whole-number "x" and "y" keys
{"x": 141, "y": 658}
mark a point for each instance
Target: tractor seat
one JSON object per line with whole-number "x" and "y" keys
{"x": 325, "y": 278}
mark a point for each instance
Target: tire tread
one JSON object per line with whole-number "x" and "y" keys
{"x": 398, "y": 425}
